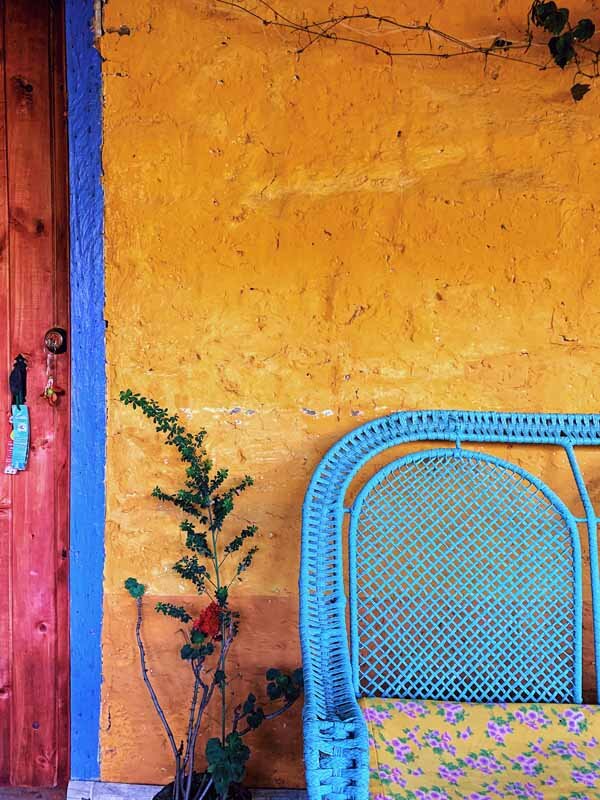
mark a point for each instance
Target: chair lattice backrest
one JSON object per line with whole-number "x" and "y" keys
{"x": 465, "y": 577}
{"x": 465, "y": 583}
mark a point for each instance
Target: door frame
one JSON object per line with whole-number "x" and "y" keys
{"x": 88, "y": 382}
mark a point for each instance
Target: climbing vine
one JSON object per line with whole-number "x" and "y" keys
{"x": 552, "y": 38}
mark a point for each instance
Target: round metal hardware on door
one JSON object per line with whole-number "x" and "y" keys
{"x": 55, "y": 341}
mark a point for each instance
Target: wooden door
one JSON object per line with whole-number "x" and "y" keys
{"x": 34, "y": 673}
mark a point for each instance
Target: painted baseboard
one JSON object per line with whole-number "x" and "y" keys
{"x": 99, "y": 790}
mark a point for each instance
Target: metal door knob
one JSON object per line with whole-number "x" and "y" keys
{"x": 55, "y": 341}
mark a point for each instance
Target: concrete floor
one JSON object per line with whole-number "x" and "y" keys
{"x": 98, "y": 790}
{"x": 115, "y": 791}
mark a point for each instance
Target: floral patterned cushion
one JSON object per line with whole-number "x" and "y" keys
{"x": 429, "y": 750}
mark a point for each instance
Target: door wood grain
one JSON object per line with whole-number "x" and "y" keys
{"x": 34, "y": 504}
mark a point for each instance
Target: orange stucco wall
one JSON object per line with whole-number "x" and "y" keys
{"x": 294, "y": 246}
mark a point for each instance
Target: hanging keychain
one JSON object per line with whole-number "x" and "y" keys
{"x": 51, "y": 392}
{"x": 18, "y": 448}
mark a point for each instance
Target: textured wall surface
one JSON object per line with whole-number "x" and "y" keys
{"x": 294, "y": 246}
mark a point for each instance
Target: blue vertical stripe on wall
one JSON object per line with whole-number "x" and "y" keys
{"x": 88, "y": 405}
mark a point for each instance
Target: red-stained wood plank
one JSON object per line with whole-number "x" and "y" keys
{"x": 5, "y": 481}
{"x": 40, "y": 498}
{"x": 62, "y": 435}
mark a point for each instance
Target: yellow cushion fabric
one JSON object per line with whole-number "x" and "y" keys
{"x": 430, "y": 750}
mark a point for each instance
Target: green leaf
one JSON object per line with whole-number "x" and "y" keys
{"x": 288, "y": 686}
{"x": 249, "y": 704}
{"x": 561, "y": 48}
{"x": 246, "y": 561}
{"x": 273, "y": 673}
{"x": 128, "y": 397}
{"x": 549, "y": 17}
{"x": 273, "y": 691}
{"x": 584, "y": 30}
{"x": 222, "y": 507}
{"x": 197, "y": 637}
{"x": 558, "y": 21}
{"x": 188, "y": 652}
{"x": 192, "y": 570}
{"x": 226, "y": 764}
{"x": 223, "y": 776}
{"x": 256, "y": 718}
{"x": 540, "y": 10}
{"x": 207, "y": 649}
{"x": 220, "y": 678}
{"x": 199, "y": 544}
{"x": 292, "y": 693}
{"x": 221, "y": 594}
{"x": 214, "y": 750}
{"x": 170, "y": 610}
{"x": 579, "y": 91}
{"x": 221, "y": 475}
{"x": 195, "y": 540}
{"x": 237, "y": 543}
{"x": 236, "y": 747}
{"x": 298, "y": 677}
{"x": 135, "y": 588}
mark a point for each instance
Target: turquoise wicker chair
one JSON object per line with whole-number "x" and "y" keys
{"x": 431, "y": 537}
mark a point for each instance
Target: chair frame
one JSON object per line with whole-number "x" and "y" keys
{"x": 336, "y": 746}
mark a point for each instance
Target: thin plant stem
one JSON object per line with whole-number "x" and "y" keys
{"x": 326, "y": 29}
{"x": 202, "y": 792}
{"x": 192, "y": 743}
{"x": 267, "y": 717}
{"x": 153, "y": 696}
{"x": 222, "y": 682}
{"x": 191, "y": 717}
{"x": 207, "y": 693}
{"x": 195, "y": 725}
{"x": 221, "y": 660}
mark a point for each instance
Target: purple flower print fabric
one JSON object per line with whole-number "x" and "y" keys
{"x": 431, "y": 750}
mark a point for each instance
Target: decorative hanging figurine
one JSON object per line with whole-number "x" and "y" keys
{"x": 18, "y": 447}
{"x": 52, "y": 391}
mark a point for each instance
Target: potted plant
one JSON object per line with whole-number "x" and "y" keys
{"x": 214, "y": 562}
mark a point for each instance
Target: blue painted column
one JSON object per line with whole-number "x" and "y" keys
{"x": 88, "y": 404}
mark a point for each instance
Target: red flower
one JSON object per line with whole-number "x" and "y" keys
{"x": 209, "y": 621}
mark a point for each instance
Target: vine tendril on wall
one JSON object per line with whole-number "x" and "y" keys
{"x": 550, "y": 39}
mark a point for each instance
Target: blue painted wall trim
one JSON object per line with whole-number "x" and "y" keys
{"x": 88, "y": 405}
